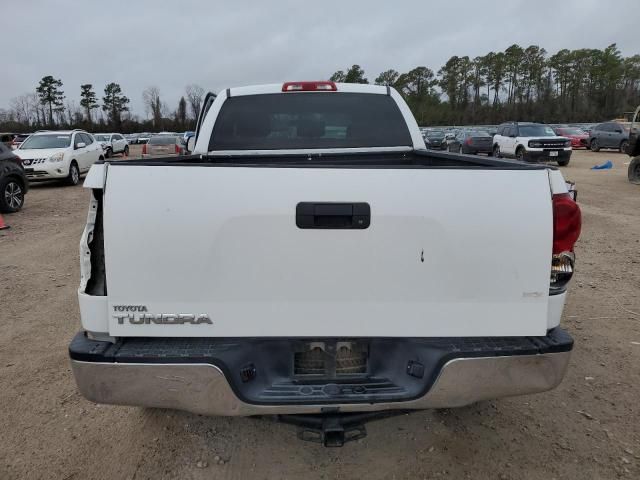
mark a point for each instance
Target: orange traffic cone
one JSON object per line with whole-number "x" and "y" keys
{"x": 3, "y": 226}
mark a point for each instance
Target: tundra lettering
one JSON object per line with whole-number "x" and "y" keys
{"x": 164, "y": 319}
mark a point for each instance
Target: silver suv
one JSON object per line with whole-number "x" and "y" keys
{"x": 610, "y": 135}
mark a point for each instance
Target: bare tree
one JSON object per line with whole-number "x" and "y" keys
{"x": 20, "y": 109}
{"x": 25, "y": 108}
{"x": 74, "y": 112}
{"x": 60, "y": 113}
{"x": 153, "y": 104}
{"x": 34, "y": 107}
{"x": 128, "y": 116}
{"x": 165, "y": 111}
{"x": 42, "y": 115}
{"x": 194, "y": 97}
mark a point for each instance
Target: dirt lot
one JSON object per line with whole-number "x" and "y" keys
{"x": 588, "y": 428}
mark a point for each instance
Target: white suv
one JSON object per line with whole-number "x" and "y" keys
{"x": 59, "y": 155}
{"x": 531, "y": 142}
{"x": 112, "y": 143}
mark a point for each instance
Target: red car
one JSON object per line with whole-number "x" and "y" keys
{"x": 579, "y": 138}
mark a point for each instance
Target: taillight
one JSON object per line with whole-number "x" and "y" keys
{"x": 468, "y": 141}
{"x": 177, "y": 149}
{"x": 144, "y": 148}
{"x": 567, "y": 223}
{"x": 309, "y": 87}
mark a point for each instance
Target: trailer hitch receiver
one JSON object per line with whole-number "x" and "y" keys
{"x": 333, "y": 429}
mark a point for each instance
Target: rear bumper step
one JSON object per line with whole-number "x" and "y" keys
{"x": 257, "y": 376}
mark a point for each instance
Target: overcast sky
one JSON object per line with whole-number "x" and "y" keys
{"x": 216, "y": 44}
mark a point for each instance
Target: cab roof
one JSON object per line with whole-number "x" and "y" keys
{"x": 277, "y": 88}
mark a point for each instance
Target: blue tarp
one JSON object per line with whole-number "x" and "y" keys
{"x": 603, "y": 166}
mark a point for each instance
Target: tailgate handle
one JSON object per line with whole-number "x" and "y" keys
{"x": 333, "y": 215}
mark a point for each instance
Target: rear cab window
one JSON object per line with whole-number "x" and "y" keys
{"x": 320, "y": 120}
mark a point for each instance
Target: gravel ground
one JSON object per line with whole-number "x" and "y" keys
{"x": 587, "y": 428}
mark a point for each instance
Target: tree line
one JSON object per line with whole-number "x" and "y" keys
{"x": 48, "y": 107}
{"x": 584, "y": 85}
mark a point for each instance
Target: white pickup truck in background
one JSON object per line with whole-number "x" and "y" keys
{"x": 311, "y": 257}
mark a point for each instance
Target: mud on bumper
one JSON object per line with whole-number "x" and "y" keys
{"x": 268, "y": 376}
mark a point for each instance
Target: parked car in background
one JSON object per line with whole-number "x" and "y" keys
{"x": 490, "y": 129}
{"x": 434, "y": 139}
{"x": 112, "y": 143}
{"x": 186, "y": 135}
{"x": 143, "y": 137}
{"x": 13, "y": 181}
{"x": 449, "y": 137}
{"x": 585, "y": 127}
{"x": 162, "y": 146}
{"x": 531, "y": 142}
{"x": 132, "y": 138}
{"x": 610, "y": 135}
{"x": 59, "y": 155}
{"x": 18, "y": 139}
{"x": 6, "y": 139}
{"x": 472, "y": 142}
{"x": 579, "y": 138}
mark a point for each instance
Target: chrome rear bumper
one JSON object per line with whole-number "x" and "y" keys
{"x": 204, "y": 389}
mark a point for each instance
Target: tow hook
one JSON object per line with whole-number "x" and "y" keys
{"x": 333, "y": 429}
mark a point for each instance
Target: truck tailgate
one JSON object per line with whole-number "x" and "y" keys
{"x": 448, "y": 252}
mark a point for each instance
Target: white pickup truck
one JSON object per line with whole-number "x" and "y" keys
{"x": 311, "y": 257}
